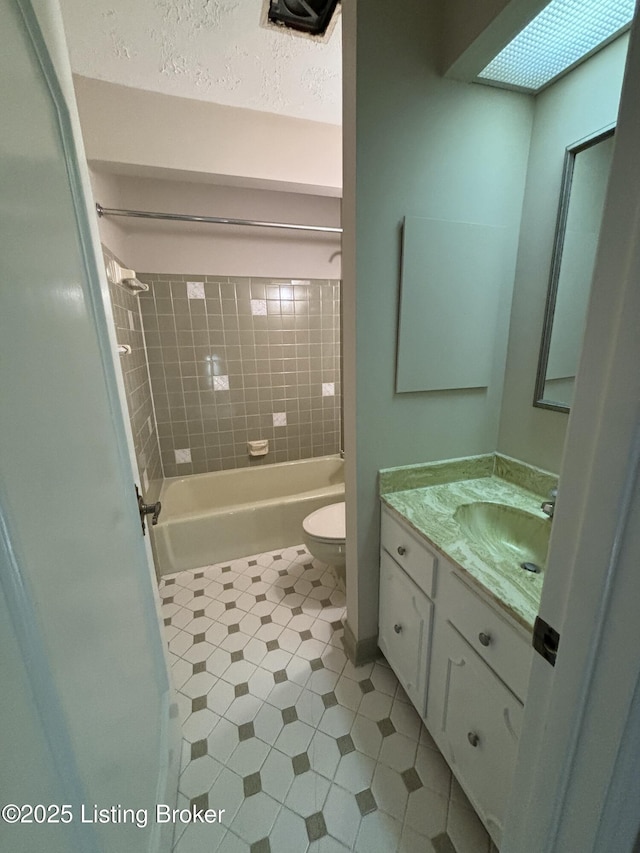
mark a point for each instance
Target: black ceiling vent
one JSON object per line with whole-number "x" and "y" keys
{"x": 307, "y": 16}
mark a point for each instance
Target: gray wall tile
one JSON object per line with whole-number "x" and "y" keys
{"x": 275, "y": 362}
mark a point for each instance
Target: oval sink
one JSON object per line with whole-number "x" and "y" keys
{"x": 505, "y": 533}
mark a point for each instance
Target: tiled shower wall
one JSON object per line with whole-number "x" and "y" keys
{"x": 128, "y": 324}
{"x": 235, "y": 360}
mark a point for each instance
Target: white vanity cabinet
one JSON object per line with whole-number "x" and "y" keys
{"x": 404, "y": 632}
{"x": 479, "y": 671}
{"x": 503, "y": 645}
{"x": 406, "y": 611}
{"x": 476, "y": 721}
{"x": 463, "y": 662}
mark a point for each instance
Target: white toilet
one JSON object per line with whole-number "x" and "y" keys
{"x": 324, "y": 535}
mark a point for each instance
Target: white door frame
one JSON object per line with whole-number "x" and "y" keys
{"x": 576, "y": 784}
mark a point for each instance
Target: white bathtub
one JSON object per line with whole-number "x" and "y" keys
{"x": 209, "y": 518}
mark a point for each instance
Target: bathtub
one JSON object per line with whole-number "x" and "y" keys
{"x": 210, "y": 518}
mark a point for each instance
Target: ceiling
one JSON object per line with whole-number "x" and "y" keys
{"x": 211, "y": 50}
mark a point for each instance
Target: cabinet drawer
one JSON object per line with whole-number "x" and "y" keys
{"x": 408, "y": 551}
{"x": 507, "y": 651}
{"x": 404, "y": 630}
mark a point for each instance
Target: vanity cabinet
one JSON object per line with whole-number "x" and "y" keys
{"x": 404, "y": 632}
{"x": 407, "y": 579}
{"x": 506, "y": 648}
{"x": 479, "y": 671}
{"x": 463, "y": 662}
{"x": 409, "y": 551}
{"x": 476, "y": 721}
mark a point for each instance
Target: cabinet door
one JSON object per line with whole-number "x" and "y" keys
{"x": 478, "y": 722}
{"x": 405, "y": 629}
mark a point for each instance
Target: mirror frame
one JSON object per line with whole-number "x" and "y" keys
{"x": 571, "y": 152}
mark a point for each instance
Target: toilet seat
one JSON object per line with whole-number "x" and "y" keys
{"x": 327, "y": 523}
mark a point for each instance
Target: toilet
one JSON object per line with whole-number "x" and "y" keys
{"x": 324, "y": 535}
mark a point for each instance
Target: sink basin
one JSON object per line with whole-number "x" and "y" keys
{"x": 504, "y": 533}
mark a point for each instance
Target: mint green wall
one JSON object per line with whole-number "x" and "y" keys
{"x": 415, "y": 144}
{"x": 576, "y": 106}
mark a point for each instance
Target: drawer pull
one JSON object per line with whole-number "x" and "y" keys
{"x": 473, "y": 739}
{"x": 397, "y": 629}
{"x": 402, "y": 550}
{"x": 485, "y": 639}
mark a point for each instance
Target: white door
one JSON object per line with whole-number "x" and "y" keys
{"x": 85, "y": 696}
{"x": 576, "y": 783}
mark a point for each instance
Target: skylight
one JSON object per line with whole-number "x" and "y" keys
{"x": 559, "y": 37}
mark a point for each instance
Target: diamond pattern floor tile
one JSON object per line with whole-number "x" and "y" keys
{"x": 303, "y": 751}
{"x": 379, "y": 833}
{"x": 256, "y": 817}
{"x": 277, "y": 775}
{"x": 289, "y": 833}
{"x": 308, "y": 793}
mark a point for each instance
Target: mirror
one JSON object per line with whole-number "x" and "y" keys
{"x": 584, "y": 184}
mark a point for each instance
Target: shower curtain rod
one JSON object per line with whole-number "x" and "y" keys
{"x": 215, "y": 220}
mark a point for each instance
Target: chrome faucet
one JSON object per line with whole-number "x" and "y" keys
{"x": 548, "y": 507}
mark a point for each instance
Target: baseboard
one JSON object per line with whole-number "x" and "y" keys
{"x": 359, "y": 652}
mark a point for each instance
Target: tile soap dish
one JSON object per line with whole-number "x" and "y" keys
{"x": 258, "y": 448}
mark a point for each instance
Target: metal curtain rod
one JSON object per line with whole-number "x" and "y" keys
{"x": 215, "y": 220}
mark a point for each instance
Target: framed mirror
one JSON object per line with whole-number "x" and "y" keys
{"x": 584, "y": 185}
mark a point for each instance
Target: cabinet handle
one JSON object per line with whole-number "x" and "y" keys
{"x": 473, "y": 739}
{"x": 485, "y": 639}
{"x": 397, "y": 629}
{"x": 402, "y": 550}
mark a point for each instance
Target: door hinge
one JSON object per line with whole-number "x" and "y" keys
{"x": 546, "y": 640}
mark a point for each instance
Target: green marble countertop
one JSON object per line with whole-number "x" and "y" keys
{"x": 430, "y": 509}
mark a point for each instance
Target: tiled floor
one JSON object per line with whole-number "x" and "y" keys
{"x": 302, "y": 751}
